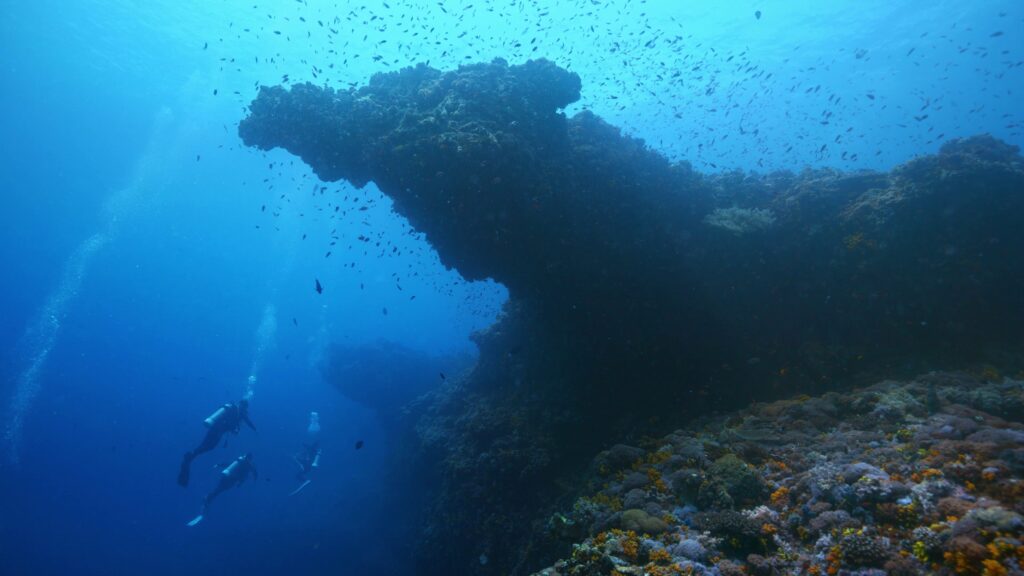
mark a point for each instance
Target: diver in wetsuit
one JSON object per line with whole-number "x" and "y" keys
{"x": 232, "y": 475}
{"x": 227, "y": 418}
{"x": 309, "y": 457}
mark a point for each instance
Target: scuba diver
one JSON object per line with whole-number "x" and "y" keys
{"x": 232, "y": 475}
{"x": 227, "y": 418}
{"x": 309, "y": 457}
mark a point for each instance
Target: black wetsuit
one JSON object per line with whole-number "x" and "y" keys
{"x": 306, "y": 458}
{"x": 231, "y": 477}
{"x": 230, "y": 421}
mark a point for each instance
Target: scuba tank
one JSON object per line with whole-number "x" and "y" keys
{"x": 216, "y": 416}
{"x": 313, "y": 433}
{"x": 230, "y": 468}
{"x": 314, "y": 425}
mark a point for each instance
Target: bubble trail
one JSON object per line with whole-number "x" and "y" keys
{"x": 42, "y": 332}
{"x": 42, "y": 335}
{"x": 265, "y": 341}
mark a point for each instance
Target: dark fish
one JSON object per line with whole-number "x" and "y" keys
{"x": 319, "y": 288}
{"x": 757, "y": 14}
{"x": 294, "y": 321}
{"x": 385, "y": 311}
{"x": 359, "y": 444}
{"x": 443, "y": 376}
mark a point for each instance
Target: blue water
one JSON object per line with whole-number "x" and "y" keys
{"x": 142, "y": 247}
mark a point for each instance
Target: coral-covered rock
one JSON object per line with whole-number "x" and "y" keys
{"x": 640, "y": 288}
{"x": 641, "y": 522}
{"x": 860, "y": 496}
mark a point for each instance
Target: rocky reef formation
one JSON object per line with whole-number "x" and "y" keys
{"x": 642, "y": 292}
{"x": 385, "y": 376}
{"x": 900, "y": 478}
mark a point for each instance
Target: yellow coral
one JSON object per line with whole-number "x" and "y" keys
{"x": 602, "y": 499}
{"x": 993, "y": 568}
{"x": 631, "y": 546}
{"x": 654, "y": 477}
{"x": 920, "y": 551}
{"x": 660, "y": 556}
{"x": 654, "y": 458}
{"x": 780, "y": 497}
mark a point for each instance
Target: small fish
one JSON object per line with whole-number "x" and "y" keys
{"x": 319, "y": 288}
{"x": 359, "y": 444}
{"x": 757, "y": 14}
{"x": 294, "y": 321}
{"x": 385, "y": 311}
{"x": 443, "y": 376}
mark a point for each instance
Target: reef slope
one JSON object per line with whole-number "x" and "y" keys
{"x": 899, "y": 478}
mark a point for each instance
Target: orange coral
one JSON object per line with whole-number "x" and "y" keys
{"x": 660, "y": 556}
{"x": 780, "y": 497}
{"x": 602, "y": 499}
{"x": 655, "y": 478}
{"x": 993, "y": 568}
{"x": 631, "y": 546}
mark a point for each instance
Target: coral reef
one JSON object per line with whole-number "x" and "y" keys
{"x": 643, "y": 293}
{"x": 876, "y": 484}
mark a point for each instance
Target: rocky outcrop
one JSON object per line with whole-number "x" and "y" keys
{"x": 641, "y": 291}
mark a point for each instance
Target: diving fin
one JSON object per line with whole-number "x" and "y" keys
{"x": 299, "y": 489}
{"x": 195, "y": 521}
{"x": 183, "y": 473}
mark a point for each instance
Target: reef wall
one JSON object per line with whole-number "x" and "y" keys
{"x": 639, "y": 289}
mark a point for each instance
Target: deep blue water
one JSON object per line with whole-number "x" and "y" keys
{"x": 142, "y": 247}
